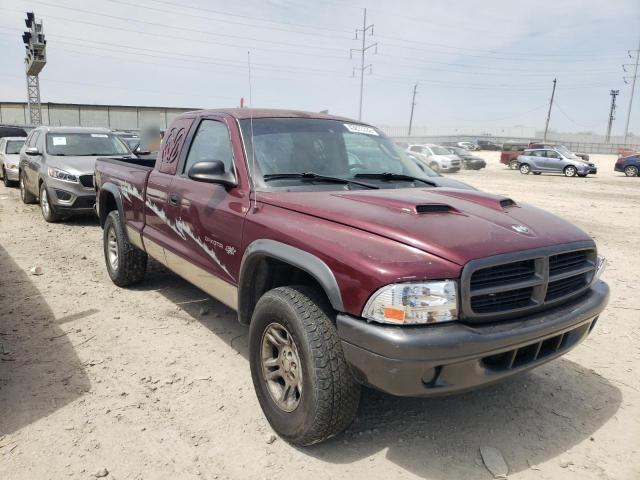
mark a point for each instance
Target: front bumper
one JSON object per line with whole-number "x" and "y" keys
{"x": 70, "y": 198}
{"x": 12, "y": 174}
{"x": 453, "y": 357}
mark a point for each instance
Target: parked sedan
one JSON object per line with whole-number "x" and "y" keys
{"x": 630, "y": 165}
{"x": 468, "y": 146}
{"x": 438, "y": 158}
{"x": 488, "y": 145}
{"x": 57, "y": 166}
{"x": 469, "y": 160}
{"x": 438, "y": 179}
{"x": 547, "y": 160}
{"x": 10, "y": 158}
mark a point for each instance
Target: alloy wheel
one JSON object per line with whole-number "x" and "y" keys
{"x": 631, "y": 171}
{"x": 570, "y": 171}
{"x": 281, "y": 367}
{"x": 112, "y": 249}
{"x": 44, "y": 203}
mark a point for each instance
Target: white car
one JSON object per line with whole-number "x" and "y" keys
{"x": 10, "y": 159}
{"x": 438, "y": 158}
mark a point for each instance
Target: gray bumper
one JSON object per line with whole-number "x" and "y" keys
{"x": 440, "y": 359}
{"x": 67, "y": 197}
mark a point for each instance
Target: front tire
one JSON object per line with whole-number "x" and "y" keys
{"x": 631, "y": 171}
{"x": 570, "y": 171}
{"x": 48, "y": 213}
{"x": 525, "y": 169}
{"x": 435, "y": 166}
{"x": 25, "y": 195}
{"x": 5, "y": 180}
{"x": 513, "y": 164}
{"x": 301, "y": 378}
{"x": 126, "y": 264}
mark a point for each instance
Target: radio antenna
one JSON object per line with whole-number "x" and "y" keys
{"x": 253, "y": 150}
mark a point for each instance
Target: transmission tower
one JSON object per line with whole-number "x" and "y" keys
{"x": 612, "y": 112}
{"x": 35, "y": 59}
{"x": 363, "y": 50}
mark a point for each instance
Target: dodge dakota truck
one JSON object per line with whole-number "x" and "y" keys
{"x": 347, "y": 264}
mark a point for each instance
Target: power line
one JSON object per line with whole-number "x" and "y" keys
{"x": 363, "y": 51}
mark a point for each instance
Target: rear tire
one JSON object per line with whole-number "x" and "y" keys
{"x": 325, "y": 394}
{"x": 570, "y": 171}
{"x": 525, "y": 169}
{"x": 537, "y": 173}
{"x": 126, "y": 264}
{"x": 25, "y": 195}
{"x": 513, "y": 164}
{"x": 631, "y": 171}
{"x": 48, "y": 213}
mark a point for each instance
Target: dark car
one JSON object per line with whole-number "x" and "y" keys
{"x": 629, "y": 165}
{"x": 469, "y": 160}
{"x": 347, "y": 264}
{"x": 488, "y": 145}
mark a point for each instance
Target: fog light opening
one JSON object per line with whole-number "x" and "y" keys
{"x": 430, "y": 376}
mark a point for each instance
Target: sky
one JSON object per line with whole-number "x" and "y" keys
{"x": 476, "y": 63}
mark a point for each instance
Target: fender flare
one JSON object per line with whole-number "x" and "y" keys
{"x": 296, "y": 257}
{"x": 115, "y": 191}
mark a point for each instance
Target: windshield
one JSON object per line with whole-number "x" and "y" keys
{"x": 438, "y": 150}
{"x": 85, "y": 144}
{"x": 324, "y": 147}
{"x": 14, "y": 146}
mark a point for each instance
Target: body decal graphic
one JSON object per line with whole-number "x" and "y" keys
{"x": 180, "y": 227}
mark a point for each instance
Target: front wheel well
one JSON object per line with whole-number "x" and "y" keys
{"x": 266, "y": 273}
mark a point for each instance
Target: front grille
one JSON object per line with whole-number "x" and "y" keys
{"x": 86, "y": 181}
{"x": 499, "y": 274}
{"x": 537, "y": 351}
{"x": 516, "y": 284}
{"x": 502, "y": 301}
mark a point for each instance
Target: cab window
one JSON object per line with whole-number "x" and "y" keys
{"x": 211, "y": 142}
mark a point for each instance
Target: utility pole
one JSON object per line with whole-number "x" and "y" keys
{"x": 35, "y": 59}
{"x": 363, "y": 50}
{"x": 633, "y": 88}
{"x": 413, "y": 104}
{"x": 612, "y": 113}
{"x": 546, "y": 125}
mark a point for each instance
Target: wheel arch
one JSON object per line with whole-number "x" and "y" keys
{"x": 109, "y": 199}
{"x": 259, "y": 270}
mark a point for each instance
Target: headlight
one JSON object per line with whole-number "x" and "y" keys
{"x": 413, "y": 303}
{"x": 601, "y": 264}
{"x": 62, "y": 175}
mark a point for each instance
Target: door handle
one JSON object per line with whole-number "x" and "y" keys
{"x": 174, "y": 200}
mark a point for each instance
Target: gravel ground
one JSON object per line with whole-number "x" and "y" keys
{"x": 153, "y": 382}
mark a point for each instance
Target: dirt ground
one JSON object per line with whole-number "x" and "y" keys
{"x": 153, "y": 382}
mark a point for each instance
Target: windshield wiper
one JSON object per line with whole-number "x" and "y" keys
{"x": 388, "y": 176}
{"x": 315, "y": 176}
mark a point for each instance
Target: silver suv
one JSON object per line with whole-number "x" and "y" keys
{"x": 438, "y": 158}
{"x": 553, "y": 160}
{"x": 57, "y": 164}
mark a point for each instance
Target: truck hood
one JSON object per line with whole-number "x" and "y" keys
{"x": 457, "y": 225}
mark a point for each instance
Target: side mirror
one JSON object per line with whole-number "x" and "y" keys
{"x": 32, "y": 151}
{"x": 211, "y": 171}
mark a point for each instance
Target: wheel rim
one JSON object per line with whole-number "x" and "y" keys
{"x": 570, "y": 171}
{"x": 44, "y": 202}
{"x": 513, "y": 164}
{"x": 281, "y": 367}
{"x": 112, "y": 249}
{"x": 631, "y": 171}
{"x": 22, "y": 187}
{"x": 524, "y": 169}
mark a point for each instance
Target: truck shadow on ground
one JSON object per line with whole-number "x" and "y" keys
{"x": 531, "y": 419}
{"x": 39, "y": 369}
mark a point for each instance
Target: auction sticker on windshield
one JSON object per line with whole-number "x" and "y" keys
{"x": 59, "y": 141}
{"x": 360, "y": 129}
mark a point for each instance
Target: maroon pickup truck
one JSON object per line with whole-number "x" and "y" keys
{"x": 348, "y": 265}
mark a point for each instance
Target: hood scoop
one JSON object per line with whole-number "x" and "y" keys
{"x": 496, "y": 202}
{"x": 435, "y": 208}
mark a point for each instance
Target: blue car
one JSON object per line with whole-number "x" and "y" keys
{"x": 629, "y": 165}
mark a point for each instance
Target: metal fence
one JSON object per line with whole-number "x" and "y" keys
{"x": 582, "y": 147}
